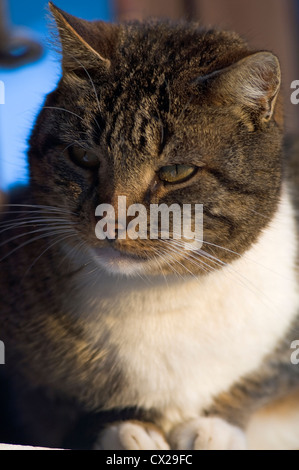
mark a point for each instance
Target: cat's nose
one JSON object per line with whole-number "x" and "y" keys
{"x": 114, "y": 231}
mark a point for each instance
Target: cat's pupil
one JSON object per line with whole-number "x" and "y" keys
{"x": 177, "y": 173}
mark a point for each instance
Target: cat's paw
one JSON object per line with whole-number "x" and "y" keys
{"x": 131, "y": 435}
{"x": 208, "y": 434}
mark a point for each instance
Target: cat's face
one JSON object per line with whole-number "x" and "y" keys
{"x": 160, "y": 113}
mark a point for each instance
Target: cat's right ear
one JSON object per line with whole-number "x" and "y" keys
{"x": 252, "y": 84}
{"x": 85, "y": 44}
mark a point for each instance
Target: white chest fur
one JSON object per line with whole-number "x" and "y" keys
{"x": 183, "y": 342}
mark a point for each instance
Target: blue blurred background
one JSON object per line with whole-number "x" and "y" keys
{"x": 26, "y": 86}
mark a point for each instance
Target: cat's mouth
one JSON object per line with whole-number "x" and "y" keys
{"x": 118, "y": 262}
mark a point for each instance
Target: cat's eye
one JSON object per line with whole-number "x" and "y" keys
{"x": 177, "y": 173}
{"x": 84, "y": 158}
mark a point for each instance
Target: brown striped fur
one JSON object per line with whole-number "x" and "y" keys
{"x": 142, "y": 96}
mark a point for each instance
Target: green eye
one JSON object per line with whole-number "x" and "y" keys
{"x": 176, "y": 173}
{"x": 84, "y": 158}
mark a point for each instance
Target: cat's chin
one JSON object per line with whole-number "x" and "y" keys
{"x": 116, "y": 262}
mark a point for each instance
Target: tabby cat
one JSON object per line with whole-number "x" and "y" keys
{"x": 144, "y": 343}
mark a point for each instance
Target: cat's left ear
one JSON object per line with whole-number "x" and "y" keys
{"x": 252, "y": 83}
{"x": 88, "y": 44}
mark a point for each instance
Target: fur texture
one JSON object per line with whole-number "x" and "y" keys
{"x": 99, "y": 334}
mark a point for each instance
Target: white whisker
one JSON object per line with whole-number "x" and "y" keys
{"x": 64, "y": 237}
{"x": 24, "y": 234}
{"x": 63, "y": 109}
{"x": 44, "y": 235}
{"x": 93, "y": 87}
{"x": 36, "y": 207}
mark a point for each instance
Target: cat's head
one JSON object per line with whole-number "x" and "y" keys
{"x": 160, "y": 113}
